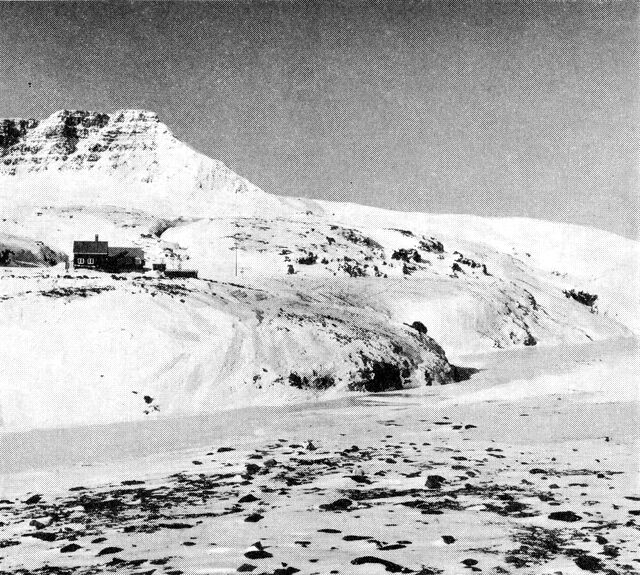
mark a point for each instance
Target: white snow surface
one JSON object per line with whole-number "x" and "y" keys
{"x": 83, "y": 343}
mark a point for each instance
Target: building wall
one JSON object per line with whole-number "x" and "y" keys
{"x": 83, "y": 260}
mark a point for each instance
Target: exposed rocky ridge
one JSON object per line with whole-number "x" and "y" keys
{"x": 25, "y": 252}
{"x": 127, "y": 158}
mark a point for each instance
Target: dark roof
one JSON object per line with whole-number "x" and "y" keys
{"x": 129, "y": 252}
{"x": 100, "y": 248}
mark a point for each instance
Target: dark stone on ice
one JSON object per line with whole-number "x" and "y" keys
{"x": 469, "y": 562}
{"x": 109, "y": 551}
{"x": 254, "y": 518}
{"x": 42, "y": 535}
{"x": 246, "y": 568}
{"x": 448, "y": 539}
{"x": 337, "y": 505}
{"x": 250, "y": 498}
{"x": 568, "y": 516}
{"x": 388, "y": 565}
{"x": 33, "y": 500}
{"x": 435, "y": 481}
{"x": 258, "y": 554}
{"x": 70, "y": 548}
{"x": 588, "y": 563}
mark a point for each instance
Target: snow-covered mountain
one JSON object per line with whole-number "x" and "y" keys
{"x": 128, "y": 159}
{"x": 297, "y": 298}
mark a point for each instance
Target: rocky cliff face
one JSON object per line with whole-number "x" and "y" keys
{"x": 75, "y": 139}
{"x": 127, "y": 158}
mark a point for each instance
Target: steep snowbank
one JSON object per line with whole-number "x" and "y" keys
{"x": 87, "y": 349}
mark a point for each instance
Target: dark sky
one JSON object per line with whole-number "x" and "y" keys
{"x": 501, "y": 108}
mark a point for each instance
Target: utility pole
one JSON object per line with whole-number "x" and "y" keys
{"x": 235, "y": 236}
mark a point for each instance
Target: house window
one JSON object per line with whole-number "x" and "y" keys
{"x": 90, "y": 261}
{"x": 80, "y": 260}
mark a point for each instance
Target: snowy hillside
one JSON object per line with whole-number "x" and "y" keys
{"x": 297, "y": 299}
{"x": 127, "y": 159}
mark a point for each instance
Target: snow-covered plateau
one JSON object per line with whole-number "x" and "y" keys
{"x": 331, "y": 366}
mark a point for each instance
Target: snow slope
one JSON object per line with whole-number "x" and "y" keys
{"x": 96, "y": 348}
{"x": 317, "y": 293}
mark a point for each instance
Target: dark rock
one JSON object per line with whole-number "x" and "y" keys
{"x": 588, "y": 563}
{"x": 250, "y": 498}
{"x": 388, "y": 565}
{"x": 258, "y": 554}
{"x": 246, "y": 568}
{"x": 568, "y": 516}
{"x": 253, "y": 518}
{"x": 42, "y": 535}
{"x": 225, "y": 449}
{"x": 337, "y": 505}
{"x": 448, "y": 539}
{"x": 33, "y": 500}
{"x": 109, "y": 551}
{"x": 435, "y": 481}
{"x": 176, "y": 525}
{"x": 469, "y": 562}
{"x": 70, "y": 548}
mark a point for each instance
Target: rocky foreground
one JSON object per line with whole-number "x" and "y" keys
{"x": 386, "y": 483}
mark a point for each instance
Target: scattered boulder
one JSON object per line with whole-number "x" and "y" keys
{"x": 419, "y": 327}
{"x": 109, "y": 551}
{"x": 583, "y": 297}
{"x": 588, "y": 563}
{"x": 435, "y": 481}
{"x": 389, "y": 566}
{"x": 568, "y": 516}
{"x": 337, "y": 505}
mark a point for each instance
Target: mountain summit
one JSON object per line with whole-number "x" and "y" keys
{"x": 127, "y": 158}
